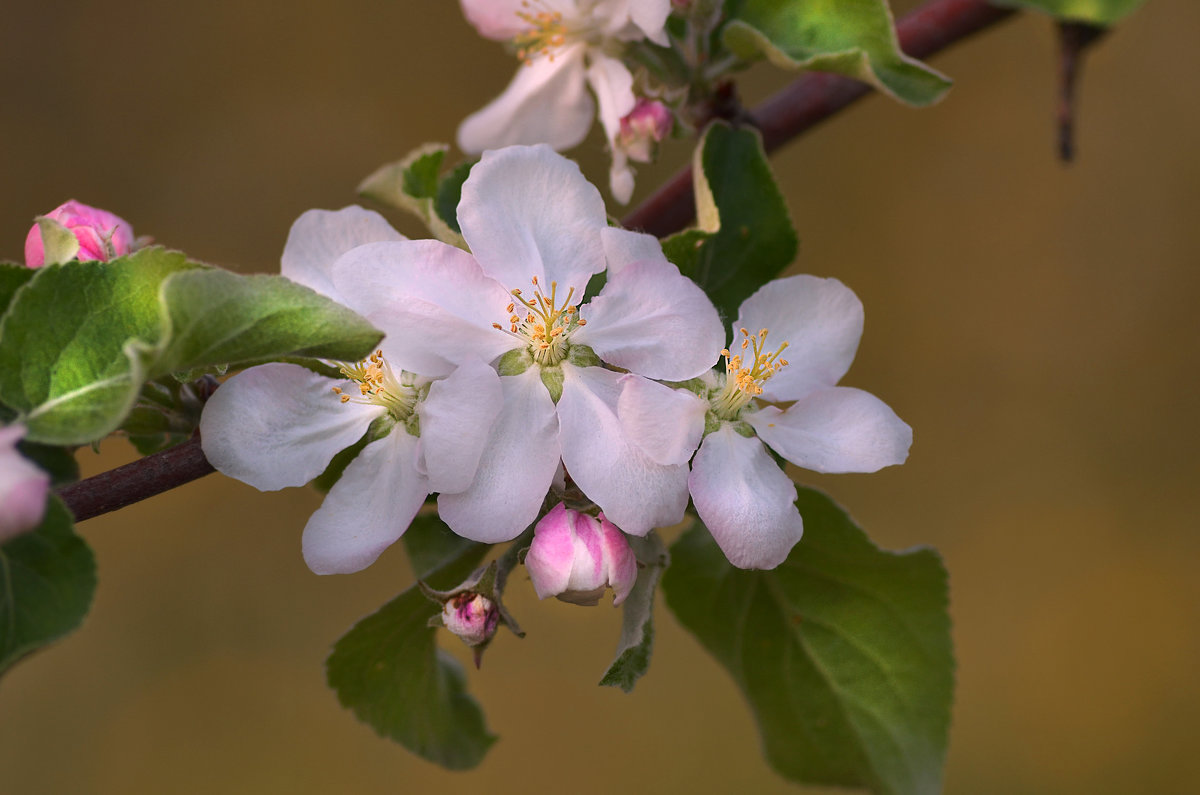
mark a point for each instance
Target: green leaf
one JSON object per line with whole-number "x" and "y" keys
{"x": 856, "y": 38}
{"x": 47, "y": 580}
{"x": 58, "y": 462}
{"x": 223, "y": 318}
{"x": 843, "y": 651}
{"x": 77, "y": 340}
{"x": 431, "y": 544}
{"x": 12, "y": 277}
{"x": 1096, "y": 12}
{"x": 449, "y": 192}
{"x": 637, "y": 620}
{"x": 744, "y": 237}
{"x": 389, "y": 671}
{"x": 412, "y": 184}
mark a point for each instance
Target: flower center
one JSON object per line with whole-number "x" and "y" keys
{"x": 746, "y": 372}
{"x": 546, "y": 32}
{"x": 378, "y": 386}
{"x": 546, "y": 325}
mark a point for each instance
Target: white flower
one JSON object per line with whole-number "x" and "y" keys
{"x": 565, "y": 46}
{"x": 279, "y": 425}
{"x": 795, "y": 339}
{"x": 538, "y": 232}
{"x": 23, "y": 487}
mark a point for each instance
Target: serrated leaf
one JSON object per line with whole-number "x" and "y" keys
{"x": 223, "y": 318}
{"x": 412, "y": 184}
{"x": 1096, "y": 12}
{"x": 843, "y": 651}
{"x": 77, "y": 340}
{"x": 389, "y": 671}
{"x": 47, "y": 580}
{"x": 745, "y": 236}
{"x": 637, "y": 619}
{"x": 856, "y": 38}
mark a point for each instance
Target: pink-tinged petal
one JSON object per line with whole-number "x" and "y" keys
{"x": 551, "y": 556}
{"x": 820, "y": 319}
{"x": 665, "y": 424}
{"x": 431, "y": 300}
{"x": 496, "y": 19}
{"x": 546, "y": 102}
{"x": 23, "y": 487}
{"x": 368, "y": 508}
{"x": 319, "y": 237}
{"x": 619, "y": 560}
{"x": 839, "y": 429}
{"x": 515, "y": 470}
{"x": 622, "y": 247}
{"x": 634, "y": 492}
{"x": 101, "y": 235}
{"x": 456, "y": 422}
{"x": 612, "y": 83}
{"x": 745, "y": 500}
{"x": 528, "y": 211}
{"x": 279, "y": 425}
{"x": 654, "y": 321}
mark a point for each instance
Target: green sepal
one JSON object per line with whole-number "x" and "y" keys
{"x": 413, "y": 184}
{"x": 583, "y": 356}
{"x": 59, "y": 243}
{"x": 515, "y": 362}
{"x": 389, "y": 671}
{"x": 857, "y": 39}
{"x": 637, "y": 618}
{"x": 843, "y": 651}
{"x": 47, "y": 581}
{"x": 1095, "y": 12}
{"x": 552, "y": 377}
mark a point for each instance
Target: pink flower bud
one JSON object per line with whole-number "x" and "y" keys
{"x": 575, "y": 556}
{"x": 648, "y": 123}
{"x": 101, "y": 234}
{"x": 23, "y": 487}
{"x": 471, "y": 616}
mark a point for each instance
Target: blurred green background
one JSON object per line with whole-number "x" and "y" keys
{"x": 1035, "y": 323}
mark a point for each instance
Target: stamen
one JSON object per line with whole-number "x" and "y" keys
{"x": 547, "y": 322}
{"x": 743, "y": 383}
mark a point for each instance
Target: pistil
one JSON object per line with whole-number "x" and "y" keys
{"x": 746, "y": 372}
{"x": 378, "y": 385}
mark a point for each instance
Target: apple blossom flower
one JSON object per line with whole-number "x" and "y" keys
{"x": 640, "y": 130}
{"x": 576, "y": 557}
{"x": 280, "y": 425}
{"x": 796, "y": 338}
{"x": 564, "y": 46}
{"x": 23, "y": 487}
{"x": 99, "y": 235}
{"x": 538, "y": 231}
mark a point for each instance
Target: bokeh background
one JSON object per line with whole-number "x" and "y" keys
{"x": 1035, "y": 323}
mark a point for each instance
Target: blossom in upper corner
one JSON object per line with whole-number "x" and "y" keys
{"x": 280, "y": 425}
{"x": 23, "y": 487}
{"x": 640, "y": 131}
{"x": 795, "y": 339}
{"x": 538, "y": 232}
{"x": 564, "y": 46}
{"x": 75, "y": 230}
{"x": 576, "y": 557}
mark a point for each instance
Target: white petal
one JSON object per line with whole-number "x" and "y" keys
{"x": 456, "y": 421}
{"x": 546, "y": 102}
{"x": 622, "y": 247}
{"x": 319, "y": 237}
{"x": 820, "y": 319}
{"x": 651, "y": 17}
{"x": 495, "y": 19}
{"x": 516, "y": 469}
{"x": 666, "y": 424}
{"x": 613, "y": 85}
{"x": 278, "y": 425}
{"x": 635, "y": 493}
{"x": 432, "y": 300}
{"x": 839, "y": 429}
{"x": 620, "y": 177}
{"x": 654, "y": 321}
{"x": 528, "y": 211}
{"x": 368, "y": 508}
{"x": 745, "y": 500}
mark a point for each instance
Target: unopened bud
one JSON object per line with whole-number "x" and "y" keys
{"x": 648, "y": 123}
{"x": 74, "y": 230}
{"x": 575, "y": 557}
{"x": 471, "y": 616}
{"x": 23, "y": 487}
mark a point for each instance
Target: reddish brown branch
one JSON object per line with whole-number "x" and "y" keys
{"x": 791, "y": 112}
{"x": 817, "y": 96}
{"x": 136, "y": 481}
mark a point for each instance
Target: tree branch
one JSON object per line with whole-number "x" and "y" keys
{"x": 799, "y": 107}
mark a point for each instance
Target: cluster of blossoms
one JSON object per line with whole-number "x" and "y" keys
{"x": 566, "y": 47}
{"x": 503, "y": 385}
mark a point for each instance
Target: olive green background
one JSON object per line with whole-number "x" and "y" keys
{"x": 1035, "y": 323}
